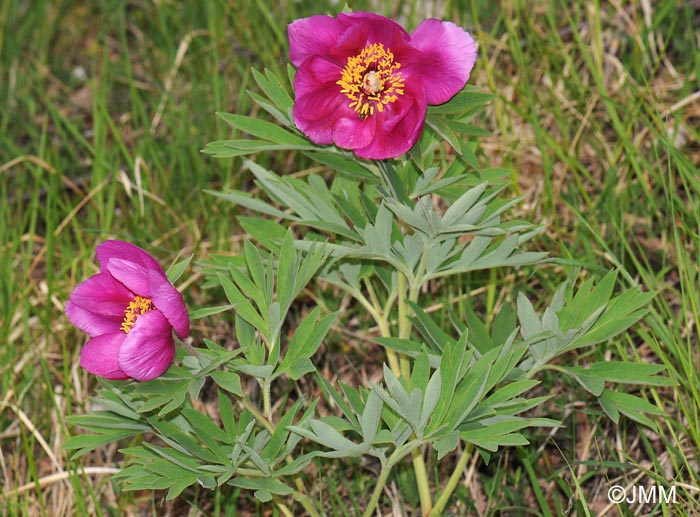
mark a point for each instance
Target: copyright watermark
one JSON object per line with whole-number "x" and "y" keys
{"x": 642, "y": 494}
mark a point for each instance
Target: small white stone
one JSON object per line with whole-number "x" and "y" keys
{"x": 79, "y": 73}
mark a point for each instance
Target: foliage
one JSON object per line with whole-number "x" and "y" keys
{"x": 593, "y": 113}
{"x": 379, "y": 232}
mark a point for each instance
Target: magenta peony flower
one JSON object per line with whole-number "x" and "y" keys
{"x": 363, "y": 83}
{"x": 130, "y": 310}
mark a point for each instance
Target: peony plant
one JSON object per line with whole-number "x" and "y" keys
{"x": 402, "y": 207}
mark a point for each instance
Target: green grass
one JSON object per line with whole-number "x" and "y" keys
{"x": 106, "y": 105}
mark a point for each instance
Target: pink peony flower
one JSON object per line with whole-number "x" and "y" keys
{"x": 130, "y": 310}
{"x": 363, "y": 83}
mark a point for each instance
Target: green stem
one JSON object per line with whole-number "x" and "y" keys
{"x": 491, "y": 296}
{"x": 393, "y": 358}
{"x": 542, "y": 365}
{"x": 380, "y": 318}
{"x": 420, "y": 273}
{"x": 251, "y": 473}
{"x": 426, "y": 502}
{"x": 376, "y": 494}
{"x": 404, "y": 333}
{"x": 267, "y": 407}
{"x": 404, "y": 322}
{"x": 374, "y": 309}
{"x": 307, "y": 503}
{"x": 387, "y": 465}
{"x": 452, "y": 482}
{"x": 283, "y": 508}
{"x": 372, "y": 294}
{"x": 405, "y": 366}
{"x": 404, "y": 325}
{"x": 390, "y": 302}
{"x": 258, "y": 415}
{"x": 187, "y": 346}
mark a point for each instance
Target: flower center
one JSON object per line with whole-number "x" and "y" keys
{"x": 138, "y": 306}
{"x": 371, "y": 80}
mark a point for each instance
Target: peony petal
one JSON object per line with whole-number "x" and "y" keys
{"x": 399, "y": 128}
{"x": 100, "y": 356}
{"x": 168, "y": 301}
{"x": 115, "y": 249}
{"x": 93, "y": 324}
{"x": 319, "y": 101}
{"x": 366, "y": 28}
{"x": 446, "y": 58}
{"x": 354, "y": 39}
{"x": 315, "y": 86}
{"x": 317, "y": 72}
{"x": 353, "y": 133}
{"x": 312, "y": 36}
{"x": 101, "y": 294}
{"x": 133, "y": 275}
{"x": 148, "y": 350}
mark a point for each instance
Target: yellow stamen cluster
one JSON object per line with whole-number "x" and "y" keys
{"x": 138, "y": 306}
{"x": 371, "y": 80}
